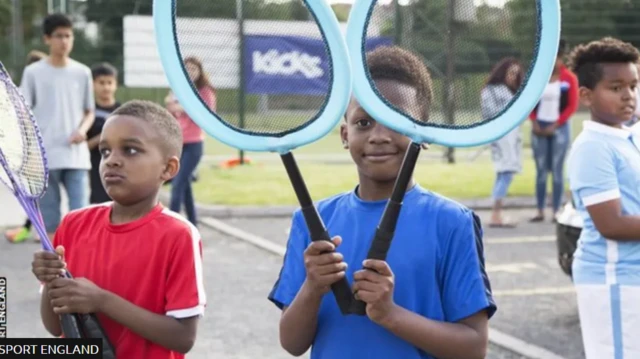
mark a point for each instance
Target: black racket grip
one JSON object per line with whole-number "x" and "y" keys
{"x": 387, "y": 226}
{"x": 380, "y": 245}
{"x": 317, "y": 230}
{"x": 93, "y": 329}
{"x": 70, "y": 324}
{"x": 341, "y": 289}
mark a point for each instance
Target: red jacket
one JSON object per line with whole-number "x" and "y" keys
{"x": 568, "y": 97}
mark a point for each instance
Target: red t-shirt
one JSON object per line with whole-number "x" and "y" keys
{"x": 154, "y": 262}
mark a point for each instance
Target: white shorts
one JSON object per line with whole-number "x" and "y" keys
{"x": 610, "y": 320}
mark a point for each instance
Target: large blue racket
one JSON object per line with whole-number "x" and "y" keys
{"x": 306, "y": 94}
{"x": 459, "y": 42}
{"x": 24, "y": 171}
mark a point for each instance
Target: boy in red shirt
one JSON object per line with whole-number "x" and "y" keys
{"x": 136, "y": 264}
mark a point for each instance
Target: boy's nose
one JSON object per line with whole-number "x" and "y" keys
{"x": 380, "y": 134}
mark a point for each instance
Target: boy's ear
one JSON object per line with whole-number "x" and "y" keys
{"x": 344, "y": 136}
{"x": 171, "y": 169}
{"x": 585, "y": 96}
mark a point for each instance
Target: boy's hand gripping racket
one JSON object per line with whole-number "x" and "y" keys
{"x": 186, "y": 28}
{"x": 25, "y": 173}
{"x": 459, "y": 54}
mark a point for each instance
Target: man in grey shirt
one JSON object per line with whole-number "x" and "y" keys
{"x": 60, "y": 91}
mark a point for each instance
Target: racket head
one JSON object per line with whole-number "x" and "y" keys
{"x": 334, "y": 107}
{"x": 22, "y": 152}
{"x": 482, "y": 132}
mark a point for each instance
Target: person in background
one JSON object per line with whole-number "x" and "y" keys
{"x": 60, "y": 92}
{"x": 20, "y": 234}
{"x": 551, "y": 133}
{"x": 503, "y": 82}
{"x": 105, "y": 85}
{"x": 604, "y": 172}
{"x": 193, "y": 137}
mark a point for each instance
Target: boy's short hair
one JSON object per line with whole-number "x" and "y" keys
{"x": 160, "y": 119}
{"x": 55, "y": 21}
{"x": 397, "y": 64}
{"x": 35, "y": 56}
{"x": 103, "y": 69}
{"x": 586, "y": 60}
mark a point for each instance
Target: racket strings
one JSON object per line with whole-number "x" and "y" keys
{"x": 20, "y": 144}
{"x": 286, "y": 77}
{"x": 460, "y": 43}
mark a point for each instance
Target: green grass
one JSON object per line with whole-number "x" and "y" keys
{"x": 268, "y": 184}
{"x": 331, "y": 144}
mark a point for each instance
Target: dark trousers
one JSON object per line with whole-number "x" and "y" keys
{"x": 181, "y": 191}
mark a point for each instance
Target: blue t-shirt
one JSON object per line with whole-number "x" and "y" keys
{"x": 436, "y": 257}
{"x": 603, "y": 165}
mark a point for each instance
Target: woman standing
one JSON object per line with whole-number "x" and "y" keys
{"x": 551, "y": 134}
{"x": 502, "y": 84}
{"x": 193, "y": 140}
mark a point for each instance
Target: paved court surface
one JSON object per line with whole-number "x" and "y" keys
{"x": 536, "y": 301}
{"x": 240, "y": 322}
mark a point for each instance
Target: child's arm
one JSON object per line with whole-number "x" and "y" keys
{"x": 174, "y": 334}
{"x": 93, "y": 142}
{"x": 89, "y": 111}
{"x": 50, "y": 319}
{"x": 465, "y": 293}
{"x": 299, "y": 321}
{"x": 464, "y": 339}
{"x": 305, "y": 278}
{"x": 573, "y": 99}
{"x": 593, "y": 176}
{"x": 82, "y": 296}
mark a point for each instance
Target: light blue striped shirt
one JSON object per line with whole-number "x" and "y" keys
{"x": 604, "y": 164}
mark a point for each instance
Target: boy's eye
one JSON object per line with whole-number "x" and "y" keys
{"x": 104, "y": 152}
{"x": 131, "y": 150}
{"x": 363, "y": 122}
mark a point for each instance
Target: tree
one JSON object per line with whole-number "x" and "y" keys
{"x": 582, "y": 21}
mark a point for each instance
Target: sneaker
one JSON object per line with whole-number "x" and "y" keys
{"x": 17, "y": 235}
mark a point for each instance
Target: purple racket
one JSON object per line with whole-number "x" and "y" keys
{"x": 25, "y": 172}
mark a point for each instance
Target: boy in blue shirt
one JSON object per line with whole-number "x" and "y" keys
{"x": 604, "y": 174}
{"x": 431, "y": 298}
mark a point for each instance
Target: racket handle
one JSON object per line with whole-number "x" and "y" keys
{"x": 387, "y": 226}
{"x": 380, "y": 245}
{"x": 317, "y": 230}
{"x": 93, "y": 329}
{"x": 70, "y": 324}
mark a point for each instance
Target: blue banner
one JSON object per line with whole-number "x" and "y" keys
{"x": 279, "y": 65}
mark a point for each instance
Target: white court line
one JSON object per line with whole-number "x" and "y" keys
{"x": 526, "y": 239}
{"x": 501, "y": 339}
{"x": 533, "y": 291}
{"x": 513, "y": 268}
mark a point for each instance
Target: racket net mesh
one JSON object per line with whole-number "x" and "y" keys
{"x": 22, "y": 154}
{"x": 477, "y": 53}
{"x": 279, "y": 61}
